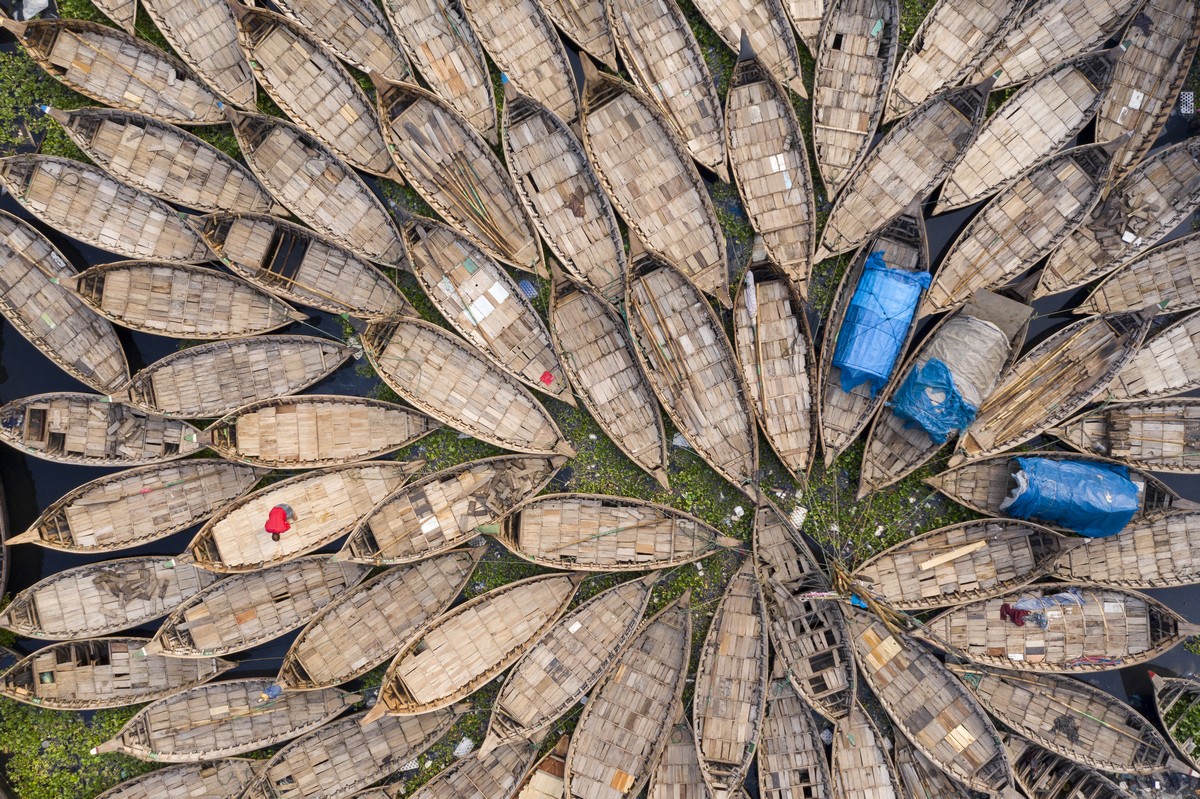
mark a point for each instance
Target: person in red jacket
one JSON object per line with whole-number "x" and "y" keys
{"x": 278, "y": 520}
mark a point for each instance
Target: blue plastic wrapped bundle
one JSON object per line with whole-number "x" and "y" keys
{"x": 877, "y": 323}
{"x": 928, "y": 399}
{"x": 1093, "y": 499}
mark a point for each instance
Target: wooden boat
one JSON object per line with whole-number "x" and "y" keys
{"x": 806, "y": 17}
{"x": 922, "y": 698}
{"x": 962, "y": 563}
{"x": 546, "y": 780}
{"x": 371, "y": 622}
{"x": 764, "y": 25}
{"x": 595, "y": 533}
{"x": 910, "y": 161}
{"x": 1160, "y": 276}
{"x": 180, "y": 300}
{"x": 451, "y": 166}
{"x": 1044, "y": 775}
{"x": 318, "y": 187}
{"x": 861, "y": 768}
{"x": 919, "y": 778}
{"x": 470, "y": 645}
{"x": 766, "y": 149}
{"x": 241, "y": 612}
{"x": 791, "y": 755}
{"x": 446, "y": 509}
{"x": 355, "y": 32}
{"x": 204, "y": 34}
{"x": 1175, "y": 700}
{"x": 644, "y": 167}
{"x": 86, "y": 204}
{"x": 222, "y": 719}
{"x": 138, "y": 506}
{"x": 1054, "y": 380}
{"x": 122, "y": 12}
{"x": 978, "y": 344}
{"x": 315, "y": 430}
{"x": 856, "y": 56}
{"x": 53, "y": 319}
{"x": 644, "y": 685}
{"x": 103, "y": 598}
{"x": 843, "y": 416}
{"x": 325, "y": 504}
{"x": 678, "y": 771}
{"x": 681, "y": 345}
{"x": 598, "y": 358}
{"x": 221, "y": 779}
{"x": 210, "y": 380}
{"x": 1041, "y": 117}
{"x": 115, "y": 68}
{"x": 1167, "y": 364}
{"x": 1137, "y": 212}
{"x": 1157, "y": 435}
{"x": 494, "y": 775}
{"x": 668, "y": 66}
{"x": 1150, "y": 553}
{"x": 89, "y": 430}
{"x": 97, "y": 673}
{"x": 809, "y": 635}
{"x": 484, "y": 304}
{"x": 298, "y": 265}
{"x": 313, "y": 88}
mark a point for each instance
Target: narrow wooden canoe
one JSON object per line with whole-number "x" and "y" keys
{"x": 766, "y": 149}
{"x": 466, "y": 648}
{"x": 326, "y": 505}
{"x": 315, "y": 430}
{"x": 355, "y": 32}
{"x": 598, "y": 358}
{"x": 861, "y": 768}
{"x": 486, "y": 306}
{"x": 298, "y": 265}
{"x": 180, "y": 300}
{"x": 90, "y": 430}
{"x": 856, "y": 56}
{"x": 1044, "y": 775}
{"x": 53, "y": 319}
{"x": 1175, "y": 700}
{"x": 318, "y": 187}
{"x": 919, "y": 778}
{"x": 546, "y": 780}
{"x": 843, "y": 416}
{"x": 806, "y": 17}
{"x": 103, "y": 672}
{"x": 122, "y": 12}
{"x": 204, "y": 34}
{"x": 492, "y": 775}
{"x": 138, "y": 506}
{"x": 647, "y": 173}
{"x": 114, "y": 68}
{"x": 678, "y": 771}
{"x": 809, "y": 635}
{"x": 791, "y": 755}
{"x": 84, "y": 203}
{"x": 222, "y": 719}
{"x": 1167, "y": 364}
{"x": 1151, "y": 553}
{"x": 370, "y": 623}
{"x": 644, "y": 684}
{"x": 211, "y": 380}
{"x": 103, "y": 598}
{"x": 962, "y": 563}
{"x": 448, "y": 379}
{"x": 1137, "y": 212}
{"x": 1160, "y": 276}
{"x": 450, "y": 165}
{"x": 313, "y": 88}
{"x": 243, "y": 611}
{"x": 1041, "y": 117}
{"x": 585, "y": 22}
{"x": 1157, "y": 435}
{"x": 764, "y": 25}
{"x": 222, "y": 779}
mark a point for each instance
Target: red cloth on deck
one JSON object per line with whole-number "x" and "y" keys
{"x": 277, "y": 521}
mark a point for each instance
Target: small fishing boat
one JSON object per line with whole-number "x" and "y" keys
{"x": 678, "y": 771}
{"x": 90, "y": 430}
{"x": 454, "y": 170}
{"x": 315, "y": 430}
{"x": 115, "y": 68}
{"x": 298, "y": 265}
{"x": 1160, "y": 276}
{"x": 856, "y": 56}
{"x": 764, "y": 25}
{"x": 1041, "y": 117}
{"x": 210, "y": 380}
{"x": 861, "y": 768}
{"x": 644, "y": 684}
{"x": 492, "y": 775}
{"x": 791, "y": 755}
{"x": 371, "y": 622}
{"x": 1150, "y": 553}
{"x": 103, "y": 598}
{"x": 806, "y": 17}
{"x": 204, "y": 33}
{"x": 1053, "y": 381}
{"x": 919, "y": 778}
{"x": 467, "y": 647}
{"x": 1157, "y": 435}
{"x": 962, "y": 563}
{"x": 122, "y": 12}
{"x": 318, "y": 187}
{"x": 1044, "y": 775}
{"x": 52, "y": 318}
{"x": 97, "y": 673}
{"x": 243, "y": 611}
{"x": 1175, "y": 700}
{"x": 180, "y": 300}
{"x": 138, "y": 506}
{"x": 325, "y": 505}
{"x": 223, "y": 719}
{"x": 446, "y": 509}
{"x": 221, "y": 779}
{"x": 651, "y": 180}
{"x": 1167, "y": 364}
{"x": 355, "y": 32}
{"x": 546, "y": 780}
{"x": 486, "y": 306}
{"x": 448, "y": 379}
{"x": 84, "y": 203}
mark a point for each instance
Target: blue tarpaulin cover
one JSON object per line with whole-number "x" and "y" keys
{"x": 1093, "y": 499}
{"x": 876, "y": 323}
{"x": 929, "y": 399}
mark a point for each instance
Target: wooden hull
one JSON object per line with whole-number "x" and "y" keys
{"x": 1044, "y": 775}
{"x": 586, "y": 23}
{"x": 223, "y": 779}
{"x": 1167, "y": 364}
{"x": 919, "y": 778}
{"x": 1151, "y": 553}
{"x": 678, "y": 771}
{"x": 204, "y": 33}
{"x": 355, "y": 32}
{"x": 862, "y": 768}
{"x": 1160, "y": 276}
{"x": 791, "y": 755}
{"x": 1160, "y": 436}
{"x": 122, "y": 12}
{"x": 1175, "y": 700}
{"x": 495, "y": 775}
{"x": 765, "y": 26}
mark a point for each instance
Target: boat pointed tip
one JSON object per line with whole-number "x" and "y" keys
{"x": 651, "y": 578}
{"x": 568, "y": 397}
{"x": 379, "y": 83}
{"x": 108, "y": 746}
{"x": 745, "y": 50}
{"x": 15, "y": 27}
{"x": 490, "y": 743}
{"x": 723, "y": 297}
{"x": 797, "y": 85}
{"x": 822, "y": 254}
{"x": 377, "y": 711}
{"x": 661, "y": 476}
{"x": 30, "y": 536}
{"x": 685, "y": 599}
{"x": 728, "y": 542}
{"x": 864, "y": 489}
{"x": 578, "y": 577}
{"x": 564, "y": 448}
{"x": 721, "y": 170}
